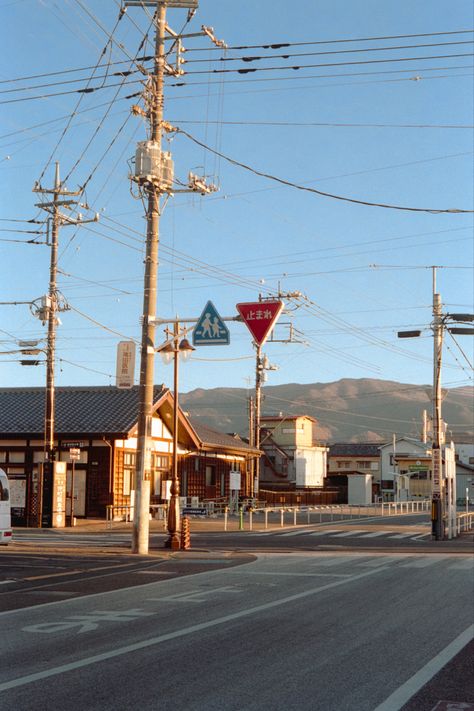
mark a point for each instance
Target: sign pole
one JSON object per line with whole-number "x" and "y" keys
{"x": 72, "y": 494}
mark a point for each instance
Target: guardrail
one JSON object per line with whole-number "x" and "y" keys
{"x": 124, "y": 514}
{"x": 334, "y": 512}
{"x": 464, "y": 522}
{"x": 395, "y": 508}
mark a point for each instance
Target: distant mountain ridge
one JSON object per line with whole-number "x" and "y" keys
{"x": 358, "y": 410}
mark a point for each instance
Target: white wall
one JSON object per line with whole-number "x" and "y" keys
{"x": 359, "y": 489}
{"x": 465, "y": 452}
{"x": 310, "y": 466}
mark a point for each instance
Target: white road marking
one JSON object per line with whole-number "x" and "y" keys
{"x": 382, "y": 560}
{"x": 195, "y": 595}
{"x": 185, "y": 631}
{"x": 5, "y": 582}
{"x": 464, "y": 564}
{"x": 347, "y": 534}
{"x": 404, "y": 693}
{"x": 402, "y": 535}
{"x": 89, "y": 622}
{"x": 424, "y": 562}
{"x": 374, "y": 534}
{"x": 323, "y": 533}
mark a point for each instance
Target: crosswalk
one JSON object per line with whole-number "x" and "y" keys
{"x": 348, "y": 534}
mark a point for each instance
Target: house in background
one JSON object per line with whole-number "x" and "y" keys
{"x": 405, "y": 469}
{"x": 101, "y": 422}
{"x": 353, "y": 459}
{"x": 291, "y": 457}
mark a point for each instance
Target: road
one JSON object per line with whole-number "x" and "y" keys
{"x": 332, "y": 630}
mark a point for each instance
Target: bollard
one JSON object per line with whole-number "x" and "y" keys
{"x": 241, "y": 518}
{"x": 294, "y": 516}
{"x": 282, "y": 513}
{"x": 250, "y": 519}
{"x": 185, "y": 534}
{"x": 226, "y": 511}
{"x": 266, "y": 518}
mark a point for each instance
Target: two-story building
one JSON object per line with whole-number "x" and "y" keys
{"x": 291, "y": 457}
{"x": 353, "y": 458}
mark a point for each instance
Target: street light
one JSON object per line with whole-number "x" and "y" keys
{"x": 172, "y": 350}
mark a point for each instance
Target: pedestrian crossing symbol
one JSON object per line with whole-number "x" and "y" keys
{"x": 210, "y": 329}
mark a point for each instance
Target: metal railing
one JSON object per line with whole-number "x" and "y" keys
{"x": 330, "y": 513}
{"x": 464, "y": 522}
{"x": 124, "y": 513}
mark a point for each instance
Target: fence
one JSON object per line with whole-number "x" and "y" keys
{"x": 331, "y": 513}
{"x": 464, "y": 522}
{"x": 125, "y": 513}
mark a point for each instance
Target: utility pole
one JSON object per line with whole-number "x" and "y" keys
{"x": 147, "y": 353}
{"x": 439, "y": 324}
{"x": 154, "y": 176}
{"x": 437, "y": 508}
{"x": 53, "y": 303}
{"x": 261, "y": 366}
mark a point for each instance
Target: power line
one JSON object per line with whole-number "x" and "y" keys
{"x": 279, "y": 45}
{"x": 250, "y": 70}
{"x": 318, "y": 54}
{"x": 304, "y": 188}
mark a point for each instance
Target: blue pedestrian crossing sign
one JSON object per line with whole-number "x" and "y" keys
{"x": 210, "y": 329}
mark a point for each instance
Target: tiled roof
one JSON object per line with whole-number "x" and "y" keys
{"x": 354, "y": 449}
{"x": 92, "y": 409}
{"x": 213, "y": 438}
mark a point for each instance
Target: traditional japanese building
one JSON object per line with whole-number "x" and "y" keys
{"x": 101, "y": 422}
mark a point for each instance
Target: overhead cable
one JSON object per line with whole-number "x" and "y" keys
{"x": 289, "y": 183}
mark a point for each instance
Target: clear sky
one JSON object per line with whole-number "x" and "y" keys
{"x": 380, "y": 110}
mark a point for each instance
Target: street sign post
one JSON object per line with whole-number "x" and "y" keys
{"x": 210, "y": 329}
{"x": 260, "y": 318}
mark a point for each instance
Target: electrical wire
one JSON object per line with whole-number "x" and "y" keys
{"x": 279, "y": 45}
{"x": 282, "y": 181}
{"x": 251, "y": 70}
{"x": 318, "y": 54}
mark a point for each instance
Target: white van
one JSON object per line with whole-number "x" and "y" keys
{"x": 5, "y": 515}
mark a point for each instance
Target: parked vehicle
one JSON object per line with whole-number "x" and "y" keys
{"x": 5, "y": 513}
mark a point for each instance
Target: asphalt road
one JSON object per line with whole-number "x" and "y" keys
{"x": 319, "y": 630}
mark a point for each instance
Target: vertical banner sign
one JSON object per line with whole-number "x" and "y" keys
{"x": 436, "y": 464}
{"x": 260, "y": 318}
{"x": 125, "y": 364}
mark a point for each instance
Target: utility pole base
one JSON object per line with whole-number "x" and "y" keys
{"x": 173, "y": 542}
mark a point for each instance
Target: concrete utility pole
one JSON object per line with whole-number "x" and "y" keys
{"x": 54, "y": 302}
{"x": 147, "y": 353}
{"x": 437, "y": 515}
{"x": 440, "y": 322}
{"x": 154, "y": 175}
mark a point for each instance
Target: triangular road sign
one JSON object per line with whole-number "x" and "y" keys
{"x": 210, "y": 330}
{"x": 260, "y": 317}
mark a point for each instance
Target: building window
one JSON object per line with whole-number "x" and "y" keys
{"x": 363, "y": 465}
{"x": 160, "y": 470}
{"x": 210, "y": 475}
{"x": 16, "y": 457}
{"x": 128, "y": 471}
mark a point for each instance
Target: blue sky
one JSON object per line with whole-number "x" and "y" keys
{"x": 391, "y": 132}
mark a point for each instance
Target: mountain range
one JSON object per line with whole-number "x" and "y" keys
{"x": 348, "y": 410}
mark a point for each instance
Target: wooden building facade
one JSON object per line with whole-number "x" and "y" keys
{"x": 101, "y": 422}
